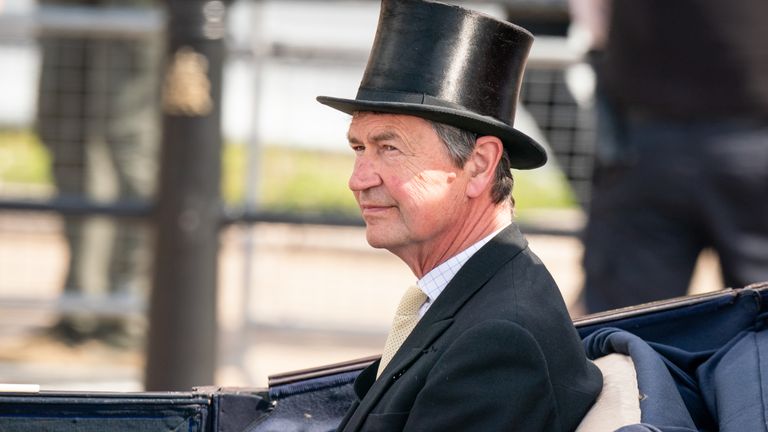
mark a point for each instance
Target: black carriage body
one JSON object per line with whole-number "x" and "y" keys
{"x": 197, "y": 411}
{"x": 315, "y": 400}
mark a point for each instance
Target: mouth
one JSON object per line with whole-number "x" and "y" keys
{"x": 374, "y": 210}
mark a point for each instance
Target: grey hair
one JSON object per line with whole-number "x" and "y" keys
{"x": 460, "y": 143}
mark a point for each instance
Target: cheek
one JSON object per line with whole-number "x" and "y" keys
{"x": 398, "y": 182}
{"x": 433, "y": 185}
{"x": 412, "y": 183}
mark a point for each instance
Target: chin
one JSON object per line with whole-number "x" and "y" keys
{"x": 375, "y": 242}
{"x": 377, "y": 238}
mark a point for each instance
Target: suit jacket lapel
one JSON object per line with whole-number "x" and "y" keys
{"x": 472, "y": 276}
{"x": 369, "y": 389}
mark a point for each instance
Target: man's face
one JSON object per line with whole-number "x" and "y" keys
{"x": 411, "y": 195}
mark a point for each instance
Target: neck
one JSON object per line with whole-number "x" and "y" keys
{"x": 423, "y": 257}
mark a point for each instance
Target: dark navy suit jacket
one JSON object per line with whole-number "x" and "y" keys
{"x": 496, "y": 351}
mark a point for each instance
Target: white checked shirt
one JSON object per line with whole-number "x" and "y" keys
{"x": 434, "y": 282}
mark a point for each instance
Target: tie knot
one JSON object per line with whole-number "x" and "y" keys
{"x": 411, "y": 301}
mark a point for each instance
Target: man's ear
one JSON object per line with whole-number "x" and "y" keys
{"x": 481, "y": 165}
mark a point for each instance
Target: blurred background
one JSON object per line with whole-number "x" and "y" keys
{"x": 90, "y": 109}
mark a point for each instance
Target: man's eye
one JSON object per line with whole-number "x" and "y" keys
{"x": 357, "y": 148}
{"x": 387, "y": 147}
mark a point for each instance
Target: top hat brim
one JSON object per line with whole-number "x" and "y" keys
{"x": 523, "y": 151}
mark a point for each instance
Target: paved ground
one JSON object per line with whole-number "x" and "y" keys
{"x": 317, "y": 295}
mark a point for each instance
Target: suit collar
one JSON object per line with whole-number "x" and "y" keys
{"x": 475, "y": 273}
{"x": 436, "y": 280}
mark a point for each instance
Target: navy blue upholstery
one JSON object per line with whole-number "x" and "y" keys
{"x": 695, "y": 327}
{"x": 734, "y": 383}
{"x": 661, "y": 403}
{"x": 712, "y": 357}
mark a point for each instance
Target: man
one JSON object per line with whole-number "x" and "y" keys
{"x": 688, "y": 81}
{"x": 493, "y": 348}
{"x": 98, "y": 117}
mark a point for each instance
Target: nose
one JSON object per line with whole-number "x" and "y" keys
{"x": 364, "y": 175}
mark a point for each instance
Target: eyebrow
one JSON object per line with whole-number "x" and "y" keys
{"x": 383, "y": 136}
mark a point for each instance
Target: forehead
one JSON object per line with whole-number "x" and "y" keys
{"x": 367, "y": 126}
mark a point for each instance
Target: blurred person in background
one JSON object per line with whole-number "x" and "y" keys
{"x": 98, "y": 117}
{"x": 589, "y": 30}
{"x": 483, "y": 340}
{"x": 687, "y": 83}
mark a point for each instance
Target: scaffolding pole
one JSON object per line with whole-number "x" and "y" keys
{"x": 182, "y": 344}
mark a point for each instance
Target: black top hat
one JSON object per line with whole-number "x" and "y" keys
{"x": 451, "y": 65}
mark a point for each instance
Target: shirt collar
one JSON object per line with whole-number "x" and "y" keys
{"x": 434, "y": 282}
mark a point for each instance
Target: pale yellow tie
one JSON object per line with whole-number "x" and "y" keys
{"x": 405, "y": 320}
